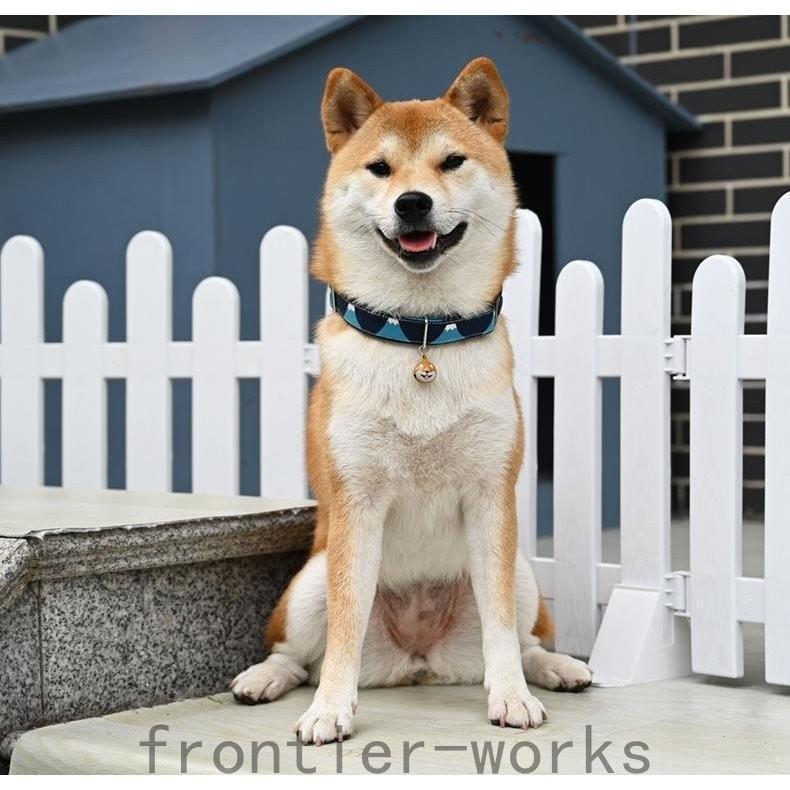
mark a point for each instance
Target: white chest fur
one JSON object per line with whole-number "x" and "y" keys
{"x": 422, "y": 446}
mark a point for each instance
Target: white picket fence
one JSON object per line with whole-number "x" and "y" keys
{"x": 215, "y": 359}
{"x": 642, "y": 633}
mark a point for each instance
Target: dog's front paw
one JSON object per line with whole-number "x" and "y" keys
{"x": 326, "y": 721}
{"x": 515, "y": 707}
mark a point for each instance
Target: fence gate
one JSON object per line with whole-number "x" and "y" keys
{"x": 638, "y": 639}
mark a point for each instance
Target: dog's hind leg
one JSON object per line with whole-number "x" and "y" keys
{"x": 297, "y": 635}
{"x": 553, "y": 671}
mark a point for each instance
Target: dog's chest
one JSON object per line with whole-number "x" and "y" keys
{"x": 381, "y": 417}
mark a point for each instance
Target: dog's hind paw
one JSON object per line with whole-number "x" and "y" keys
{"x": 556, "y": 671}
{"x": 268, "y": 680}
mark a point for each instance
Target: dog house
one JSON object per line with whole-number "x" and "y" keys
{"x": 207, "y": 129}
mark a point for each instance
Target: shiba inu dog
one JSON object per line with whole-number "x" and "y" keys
{"x": 415, "y": 435}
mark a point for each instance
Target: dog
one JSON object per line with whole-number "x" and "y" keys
{"x": 415, "y": 436}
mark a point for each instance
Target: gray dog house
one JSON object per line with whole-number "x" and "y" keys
{"x": 207, "y": 129}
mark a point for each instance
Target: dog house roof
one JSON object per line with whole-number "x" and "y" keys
{"x": 130, "y": 56}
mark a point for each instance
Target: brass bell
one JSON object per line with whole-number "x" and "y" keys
{"x": 425, "y": 370}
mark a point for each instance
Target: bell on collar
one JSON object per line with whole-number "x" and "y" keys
{"x": 425, "y": 370}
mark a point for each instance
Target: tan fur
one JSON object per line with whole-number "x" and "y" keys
{"x": 544, "y": 625}
{"x": 334, "y": 517}
{"x": 347, "y": 104}
{"x": 509, "y": 530}
{"x": 320, "y": 477}
{"x": 275, "y": 627}
{"x": 471, "y": 93}
{"x": 342, "y": 605}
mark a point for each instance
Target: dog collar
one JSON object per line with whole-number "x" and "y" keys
{"x": 423, "y": 331}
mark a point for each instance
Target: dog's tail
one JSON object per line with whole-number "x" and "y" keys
{"x": 544, "y": 625}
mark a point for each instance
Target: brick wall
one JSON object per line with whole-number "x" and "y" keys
{"x": 734, "y": 73}
{"x": 16, "y": 31}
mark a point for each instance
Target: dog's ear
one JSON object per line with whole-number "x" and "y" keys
{"x": 479, "y": 94}
{"x": 348, "y": 102}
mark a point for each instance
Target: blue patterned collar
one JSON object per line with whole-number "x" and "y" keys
{"x": 434, "y": 330}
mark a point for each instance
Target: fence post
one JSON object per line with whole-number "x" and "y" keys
{"x": 640, "y": 640}
{"x": 21, "y": 335}
{"x": 777, "y": 452}
{"x": 577, "y": 456}
{"x": 149, "y": 311}
{"x": 716, "y": 466}
{"x": 284, "y": 316}
{"x": 84, "y": 386}
{"x": 521, "y": 307}
{"x": 215, "y": 388}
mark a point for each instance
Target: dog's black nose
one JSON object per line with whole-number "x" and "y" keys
{"x": 413, "y": 206}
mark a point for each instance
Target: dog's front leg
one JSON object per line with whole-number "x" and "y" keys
{"x": 353, "y": 559}
{"x": 490, "y": 524}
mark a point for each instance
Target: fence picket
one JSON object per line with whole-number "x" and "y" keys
{"x": 284, "y": 309}
{"x": 577, "y": 456}
{"x": 640, "y": 639}
{"x": 715, "y": 450}
{"x": 215, "y": 388}
{"x": 84, "y": 387}
{"x": 148, "y": 331}
{"x": 644, "y": 395}
{"x": 521, "y": 307}
{"x": 21, "y": 335}
{"x": 777, "y": 451}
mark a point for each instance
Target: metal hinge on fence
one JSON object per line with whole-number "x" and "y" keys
{"x": 676, "y": 357}
{"x": 677, "y": 592}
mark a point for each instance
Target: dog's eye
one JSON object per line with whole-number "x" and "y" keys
{"x": 379, "y": 169}
{"x": 453, "y": 162}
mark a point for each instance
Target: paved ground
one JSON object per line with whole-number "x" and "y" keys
{"x": 689, "y": 725}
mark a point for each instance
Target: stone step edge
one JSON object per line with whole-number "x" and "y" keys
{"x": 64, "y": 554}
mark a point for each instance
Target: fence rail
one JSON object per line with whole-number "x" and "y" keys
{"x": 640, "y": 619}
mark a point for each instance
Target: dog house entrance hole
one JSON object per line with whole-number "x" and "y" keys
{"x": 534, "y": 177}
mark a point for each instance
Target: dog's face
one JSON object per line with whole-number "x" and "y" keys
{"x": 419, "y": 201}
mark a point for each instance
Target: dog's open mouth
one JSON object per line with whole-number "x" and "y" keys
{"x": 418, "y": 241}
{"x": 420, "y": 248}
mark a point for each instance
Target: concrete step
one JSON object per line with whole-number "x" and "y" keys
{"x": 111, "y": 600}
{"x": 686, "y": 726}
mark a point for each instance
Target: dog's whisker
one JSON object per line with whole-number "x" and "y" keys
{"x": 471, "y": 213}
{"x": 485, "y": 224}
{"x": 489, "y": 227}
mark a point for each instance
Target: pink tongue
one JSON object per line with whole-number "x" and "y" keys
{"x": 418, "y": 242}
